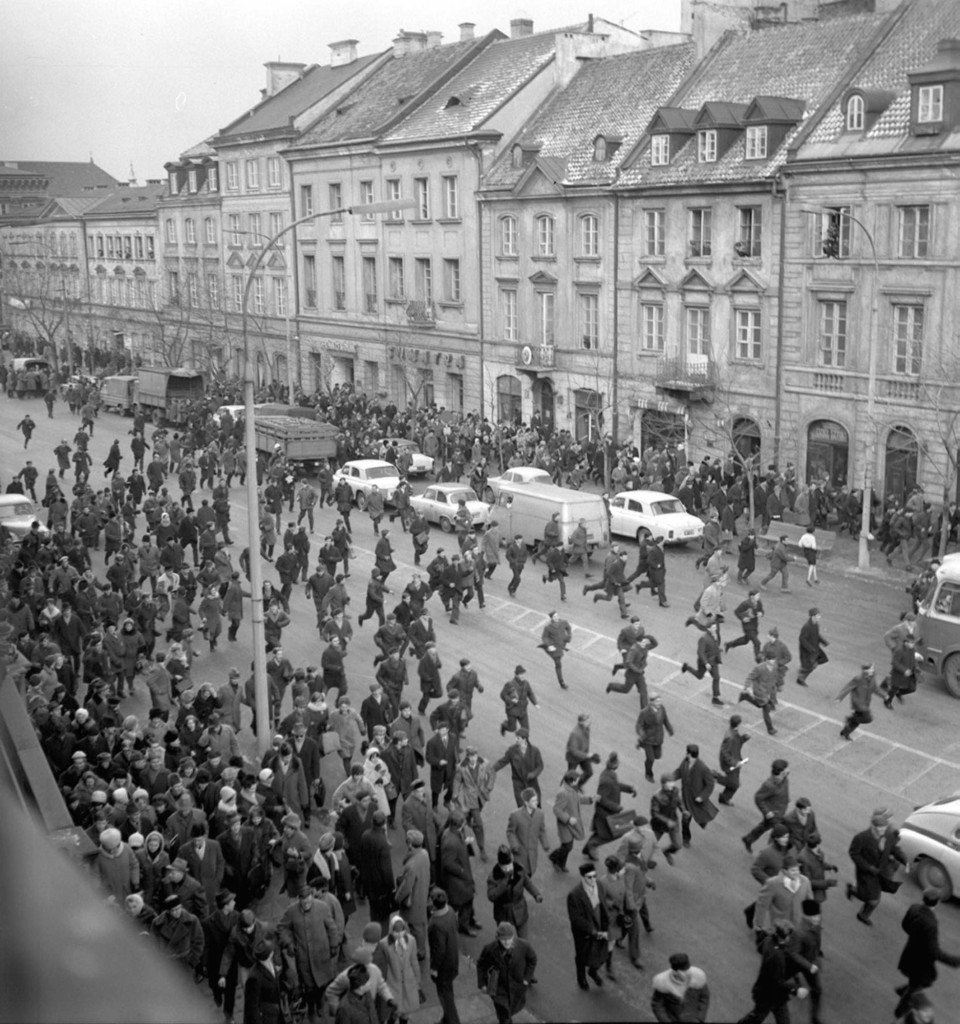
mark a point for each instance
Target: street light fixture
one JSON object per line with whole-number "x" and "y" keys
{"x": 261, "y": 696}
{"x": 870, "y": 454}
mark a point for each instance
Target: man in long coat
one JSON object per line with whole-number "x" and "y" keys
{"x": 918, "y": 961}
{"x": 526, "y": 827}
{"x": 696, "y": 785}
{"x": 413, "y": 889}
{"x": 456, "y": 874}
{"x": 505, "y": 971}
{"x": 589, "y": 923}
{"x": 310, "y": 938}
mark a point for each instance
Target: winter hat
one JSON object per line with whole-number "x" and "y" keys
{"x": 505, "y": 930}
{"x": 504, "y": 856}
{"x": 372, "y": 933}
{"x": 136, "y": 840}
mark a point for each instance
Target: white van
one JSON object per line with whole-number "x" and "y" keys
{"x": 527, "y": 509}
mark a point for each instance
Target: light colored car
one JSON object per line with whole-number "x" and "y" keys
{"x": 362, "y": 474}
{"x": 421, "y": 464}
{"x": 17, "y": 512}
{"x": 440, "y": 502}
{"x": 646, "y": 514}
{"x": 516, "y": 476}
{"x": 930, "y": 840}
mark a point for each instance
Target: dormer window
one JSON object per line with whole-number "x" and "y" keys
{"x": 599, "y": 149}
{"x": 707, "y": 146}
{"x": 172, "y": 178}
{"x": 192, "y": 180}
{"x": 213, "y": 183}
{"x": 660, "y": 150}
{"x": 756, "y": 142}
{"x": 855, "y": 113}
{"x": 930, "y": 104}
{"x": 517, "y": 158}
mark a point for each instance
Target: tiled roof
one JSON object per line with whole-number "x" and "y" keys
{"x": 277, "y": 110}
{"x": 911, "y": 43}
{"x": 801, "y": 61}
{"x": 471, "y": 96}
{"x": 390, "y": 88}
{"x": 140, "y": 199}
{"x": 66, "y": 178}
{"x": 775, "y": 108}
{"x": 613, "y": 96}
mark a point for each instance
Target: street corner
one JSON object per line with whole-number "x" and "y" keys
{"x": 939, "y": 781}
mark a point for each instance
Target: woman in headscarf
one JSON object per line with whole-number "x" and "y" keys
{"x": 376, "y": 772}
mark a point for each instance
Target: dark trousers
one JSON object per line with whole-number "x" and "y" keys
{"x": 561, "y": 853}
{"x": 586, "y": 771}
{"x": 701, "y": 670}
{"x": 757, "y": 831}
{"x": 371, "y": 610}
{"x": 763, "y": 1008}
{"x": 854, "y": 720}
{"x": 514, "y": 580}
{"x": 448, "y": 1004}
{"x": 631, "y": 680}
{"x": 742, "y": 641}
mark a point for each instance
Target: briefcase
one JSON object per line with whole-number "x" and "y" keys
{"x": 620, "y": 823}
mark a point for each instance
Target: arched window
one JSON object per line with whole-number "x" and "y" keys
{"x": 855, "y": 113}
{"x": 545, "y": 235}
{"x": 599, "y": 149}
{"x": 589, "y": 235}
{"x": 901, "y": 463}
{"x": 508, "y": 236}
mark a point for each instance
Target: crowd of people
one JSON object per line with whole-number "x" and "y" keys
{"x": 192, "y": 836}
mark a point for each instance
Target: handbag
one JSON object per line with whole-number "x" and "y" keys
{"x": 822, "y": 658}
{"x": 620, "y": 823}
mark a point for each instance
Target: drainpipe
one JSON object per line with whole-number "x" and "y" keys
{"x": 615, "y": 390}
{"x": 781, "y": 277}
{"x": 474, "y": 147}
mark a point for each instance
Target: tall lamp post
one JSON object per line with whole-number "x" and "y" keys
{"x": 261, "y": 697}
{"x": 870, "y": 453}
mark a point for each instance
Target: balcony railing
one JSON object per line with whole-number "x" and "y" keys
{"x": 693, "y": 375}
{"x": 421, "y": 313}
{"x": 536, "y": 356}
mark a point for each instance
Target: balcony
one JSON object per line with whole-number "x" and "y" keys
{"x": 535, "y": 357}
{"x": 694, "y": 376}
{"x": 421, "y": 314}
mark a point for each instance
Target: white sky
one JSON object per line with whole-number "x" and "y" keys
{"x": 138, "y": 81}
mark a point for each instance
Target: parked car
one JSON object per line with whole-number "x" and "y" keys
{"x": 646, "y": 514}
{"x": 439, "y": 504}
{"x": 930, "y": 840}
{"x": 17, "y": 513}
{"x": 421, "y": 464}
{"x": 518, "y": 475}
{"x": 362, "y": 474}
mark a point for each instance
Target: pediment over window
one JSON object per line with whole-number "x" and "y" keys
{"x": 235, "y": 261}
{"x": 773, "y": 110}
{"x": 276, "y": 261}
{"x": 695, "y": 281}
{"x": 541, "y": 277}
{"x": 744, "y": 281}
{"x": 543, "y": 177}
{"x": 650, "y": 279}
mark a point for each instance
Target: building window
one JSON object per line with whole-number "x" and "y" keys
{"x": 589, "y": 235}
{"x": 192, "y": 179}
{"x": 599, "y": 150}
{"x": 236, "y": 292}
{"x": 546, "y": 306}
{"x": 172, "y": 182}
{"x": 698, "y": 330}
{"x": 397, "y": 284}
{"x": 508, "y": 236}
{"x": 451, "y": 197}
{"x": 748, "y": 237}
{"x": 253, "y": 174}
{"x": 233, "y": 223}
{"x": 276, "y": 224}
{"x": 545, "y": 235}
{"x": 335, "y": 197}
{"x": 423, "y": 279}
{"x": 701, "y": 224}
{"x": 99, "y": 247}
{"x": 253, "y": 230}
{"x": 908, "y": 339}
{"x": 428, "y": 395}
{"x": 421, "y": 189}
{"x": 855, "y": 114}
{"x": 651, "y": 327}
{"x": 310, "y": 282}
{"x": 273, "y": 172}
{"x": 280, "y": 296}
{"x": 111, "y": 248}
{"x": 233, "y": 176}
{"x": 258, "y": 305}
{"x": 660, "y": 150}
{"x": 213, "y": 178}
{"x": 173, "y": 287}
{"x": 834, "y": 240}
{"x": 171, "y": 229}
{"x": 209, "y": 231}
{"x": 137, "y": 247}
{"x": 748, "y": 334}
{"x": 914, "y": 231}
{"x": 366, "y": 197}
{"x": 508, "y": 314}
{"x": 930, "y": 104}
{"x": 589, "y": 321}
{"x": 213, "y": 290}
{"x": 193, "y": 290}
{"x": 339, "y": 270}
{"x": 395, "y": 195}
{"x": 451, "y": 281}
{"x": 368, "y": 268}
{"x": 756, "y": 142}
{"x": 190, "y": 231}
{"x": 833, "y": 334}
{"x": 707, "y": 146}
{"x": 151, "y": 251}
{"x": 306, "y": 200}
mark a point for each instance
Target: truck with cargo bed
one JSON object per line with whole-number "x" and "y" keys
{"x": 299, "y": 440}
{"x": 119, "y": 392}
{"x": 167, "y": 394}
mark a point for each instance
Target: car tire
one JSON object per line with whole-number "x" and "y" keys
{"x": 446, "y": 525}
{"x": 488, "y": 496}
{"x": 931, "y": 874}
{"x": 951, "y": 675}
{"x": 643, "y": 535}
{"x": 361, "y": 501}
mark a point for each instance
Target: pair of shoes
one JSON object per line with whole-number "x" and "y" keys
{"x": 809, "y": 584}
{"x": 717, "y": 702}
{"x": 723, "y": 800}
{"x": 584, "y": 590}
{"x": 726, "y": 647}
{"x": 594, "y": 975}
{"x": 583, "y": 985}
{"x": 771, "y": 732}
{"x": 845, "y": 734}
{"x": 865, "y": 920}
{"x": 801, "y": 682}
{"x": 544, "y": 578}
{"x": 683, "y": 668}
{"x": 746, "y": 842}
{"x": 664, "y": 604}
{"x": 888, "y": 703}
{"x": 850, "y": 891}
{"x": 563, "y": 685}
{"x": 649, "y": 777}
{"x": 742, "y": 697}
{"x": 636, "y": 963}
{"x": 668, "y": 857}
{"x": 690, "y": 621}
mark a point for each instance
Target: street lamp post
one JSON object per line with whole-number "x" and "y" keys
{"x": 261, "y": 697}
{"x": 870, "y": 450}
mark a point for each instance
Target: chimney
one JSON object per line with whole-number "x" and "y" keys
{"x": 409, "y": 42}
{"x": 343, "y": 52}
{"x": 466, "y": 31}
{"x": 433, "y": 39}
{"x": 280, "y": 74}
{"x": 520, "y": 27}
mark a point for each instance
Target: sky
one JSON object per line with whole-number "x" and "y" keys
{"x": 136, "y": 82}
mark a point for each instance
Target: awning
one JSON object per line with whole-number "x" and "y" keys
{"x": 658, "y": 404}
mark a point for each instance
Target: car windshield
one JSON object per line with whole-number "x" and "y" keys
{"x": 665, "y": 508}
{"x": 467, "y": 494}
{"x": 378, "y": 472}
{"x": 12, "y": 511}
